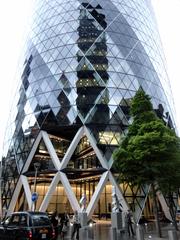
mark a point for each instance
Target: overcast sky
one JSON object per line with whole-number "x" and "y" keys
{"x": 14, "y": 17}
{"x": 168, "y": 17}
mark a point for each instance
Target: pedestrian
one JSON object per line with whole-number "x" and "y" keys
{"x": 76, "y": 225}
{"x": 129, "y": 221}
{"x": 54, "y": 222}
{"x": 64, "y": 220}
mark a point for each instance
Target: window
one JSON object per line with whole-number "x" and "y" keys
{"x": 111, "y": 138}
{"x": 40, "y": 220}
{"x": 23, "y": 220}
{"x": 15, "y": 220}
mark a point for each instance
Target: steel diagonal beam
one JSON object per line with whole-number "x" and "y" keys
{"x": 50, "y": 192}
{"x": 96, "y": 149}
{"x": 71, "y": 148}
{"x": 32, "y": 152}
{"x": 15, "y": 197}
{"x": 97, "y": 193}
{"x": 164, "y": 205}
{"x": 110, "y": 162}
{"x": 119, "y": 192}
{"x": 142, "y": 202}
{"x": 51, "y": 150}
{"x": 27, "y": 190}
{"x": 69, "y": 192}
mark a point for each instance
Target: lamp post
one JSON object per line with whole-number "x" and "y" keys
{"x": 36, "y": 167}
{"x": 34, "y": 194}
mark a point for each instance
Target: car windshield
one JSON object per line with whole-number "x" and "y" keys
{"x": 40, "y": 220}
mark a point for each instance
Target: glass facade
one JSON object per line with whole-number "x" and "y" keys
{"x": 82, "y": 64}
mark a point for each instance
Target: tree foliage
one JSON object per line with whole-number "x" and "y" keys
{"x": 150, "y": 151}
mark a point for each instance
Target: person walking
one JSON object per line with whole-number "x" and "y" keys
{"x": 54, "y": 222}
{"x": 76, "y": 225}
{"x": 129, "y": 224}
{"x": 64, "y": 220}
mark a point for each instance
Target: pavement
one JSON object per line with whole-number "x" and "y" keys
{"x": 151, "y": 233}
{"x": 101, "y": 231}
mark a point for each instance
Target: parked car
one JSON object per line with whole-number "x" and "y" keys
{"x": 27, "y": 226}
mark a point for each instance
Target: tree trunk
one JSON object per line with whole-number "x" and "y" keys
{"x": 173, "y": 213}
{"x": 156, "y": 215}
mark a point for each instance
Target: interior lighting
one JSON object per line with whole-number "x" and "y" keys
{"x": 90, "y": 224}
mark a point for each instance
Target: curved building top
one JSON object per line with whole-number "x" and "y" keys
{"x": 83, "y": 63}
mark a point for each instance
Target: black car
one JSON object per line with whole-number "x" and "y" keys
{"x": 27, "y": 226}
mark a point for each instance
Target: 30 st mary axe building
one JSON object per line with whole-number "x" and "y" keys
{"x": 82, "y": 64}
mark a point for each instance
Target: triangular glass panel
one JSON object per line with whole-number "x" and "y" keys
{"x": 136, "y": 198}
{"x": 107, "y": 138}
{"x": 83, "y": 165}
{"x": 22, "y": 203}
{"x": 58, "y": 202}
{"x": 42, "y": 160}
{"x": 104, "y": 205}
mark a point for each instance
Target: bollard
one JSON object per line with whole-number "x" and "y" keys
{"x": 90, "y": 233}
{"x": 113, "y": 234}
{"x": 116, "y": 220}
{"x": 139, "y": 233}
{"x": 86, "y": 233}
{"x": 172, "y": 235}
{"x": 83, "y": 219}
{"x": 83, "y": 233}
{"x": 120, "y": 233}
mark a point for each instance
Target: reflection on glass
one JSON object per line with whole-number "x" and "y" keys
{"x": 112, "y": 138}
{"x": 92, "y": 69}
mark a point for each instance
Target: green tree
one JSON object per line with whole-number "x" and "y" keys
{"x": 170, "y": 187}
{"x": 150, "y": 151}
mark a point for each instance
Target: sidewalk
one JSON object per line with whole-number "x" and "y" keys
{"x": 151, "y": 233}
{"x": 101, "y": 231}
